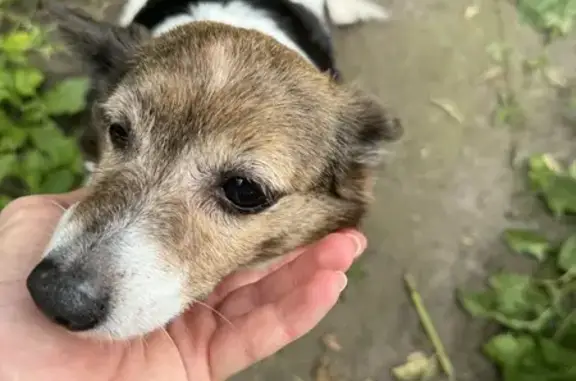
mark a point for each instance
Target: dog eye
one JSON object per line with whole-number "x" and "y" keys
{"x": 119, "y": 135}
{"x": 247, "y": 196}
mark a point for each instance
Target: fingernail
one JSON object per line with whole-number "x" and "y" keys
{"x": 342, "y": 281}
{"x": 359, "y": 242}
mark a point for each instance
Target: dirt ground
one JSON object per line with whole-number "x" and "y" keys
{"x": 447, "y": 192}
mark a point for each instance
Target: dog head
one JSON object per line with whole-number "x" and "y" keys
{"x": 221, "y": 148}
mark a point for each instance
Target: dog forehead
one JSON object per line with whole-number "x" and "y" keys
{"x": 245, "y": 113}
{"x": 218, "y": 94}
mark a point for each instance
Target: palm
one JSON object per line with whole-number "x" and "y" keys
{"x": 250, "y": 315}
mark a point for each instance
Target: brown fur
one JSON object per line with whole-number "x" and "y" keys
{"x": 207, "y": 99}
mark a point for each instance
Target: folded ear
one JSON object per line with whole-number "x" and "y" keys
{"x": 364, "y": 128}
{"x": 106, "y": 49}
{"x": 368, "y": 126}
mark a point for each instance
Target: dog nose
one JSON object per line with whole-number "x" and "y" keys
{"x": 67, "y": 297}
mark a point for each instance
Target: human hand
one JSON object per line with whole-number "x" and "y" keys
{"x": 251, "y": 314}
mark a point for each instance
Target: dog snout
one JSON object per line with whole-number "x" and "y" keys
{"x": 68, "y": 297}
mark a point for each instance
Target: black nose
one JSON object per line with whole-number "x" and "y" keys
{"x": 67, "y": 297}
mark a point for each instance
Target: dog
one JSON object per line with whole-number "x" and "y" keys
{"x": 227, "y": 140}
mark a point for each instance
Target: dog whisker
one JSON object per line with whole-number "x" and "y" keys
{"x": 216, "y": 312}
{"x": 227, "y": 321}
{"x": 58, "y": 205}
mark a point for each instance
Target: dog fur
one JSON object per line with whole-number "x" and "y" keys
{"x": 183, "y": 107}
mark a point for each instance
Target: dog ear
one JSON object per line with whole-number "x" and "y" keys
{"x": 106, "y": 49}
{"x": 368, "y": 126}
{"x": 364, "y": 128}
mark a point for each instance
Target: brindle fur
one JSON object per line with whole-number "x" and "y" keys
{"x": 207, "y": 99}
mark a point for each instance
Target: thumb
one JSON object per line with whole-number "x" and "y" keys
{"x": 68, "y": 199}
{"x": 26, "y": 226}
{"x": 32, "y": 203}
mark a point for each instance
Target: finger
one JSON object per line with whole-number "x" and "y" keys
{"x": 266, "y": 330}
{"x": 336, "y": 253}
{"x": 245, "y": 277}
{"x": 37, "y": 214}
{"x": 26, "y": 226}
{"x": 249, "y": 276}
{"x": 28, "y": 206}
{"x": 23, "y": 241}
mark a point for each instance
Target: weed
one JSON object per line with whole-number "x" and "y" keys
{"x": 536, "y": 311}
{"x": 552, "y": 18}
{"x": 35, "y": 155}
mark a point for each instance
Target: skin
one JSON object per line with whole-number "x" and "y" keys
{"x": 251, "y": 314}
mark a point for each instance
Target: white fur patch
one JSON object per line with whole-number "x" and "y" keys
{"x": 235, "y": 13}
{"x": 349, "y": 12}
{"x": 171, "y": 23}
{"x": 130, "y": 10}
{"x": 148, "y": 294}
{"x": 238, "y": 14}
{"x": 89, "y": 166}
{"x": 66, "y": 230}
{"x": 145, "y": 291}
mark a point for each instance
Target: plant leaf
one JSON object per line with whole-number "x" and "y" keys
{"x": 12, "y": 136}
{"x": 67, "y": 97}
{"x": 527, "y": 242}
{"x": 513, "y": 301}
{"x": 58, "y": 182}
{"x": 61, "y": 150}
{"x": 556, "y": 185}
{"x": 7, "y": 164}
{"x": 552, "y": 17}
{"x": 544, "y": 360}
{"x": 34, "y": 112}
{"x": 507, "y": 349}
{"x": 27, "y": 80}
{"x": 32, "y": 165}
{"x": 556, "y": 355}
{"x": 572, "y": 169}
{"x": 16, "y": 43}
{"x": 511, "y": 292}
{"x": 560, "y": 194}
{"x": 567, "y": 254}
{"x": 478, "y": 304}
{"x": 4, "y": 200}
{"x": 541, "y": 169}
{"x": 12, "y": 140}
{"x": 566, "y": 331}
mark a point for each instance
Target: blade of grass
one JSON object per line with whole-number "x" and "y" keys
{"x": 426, "y": 322}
